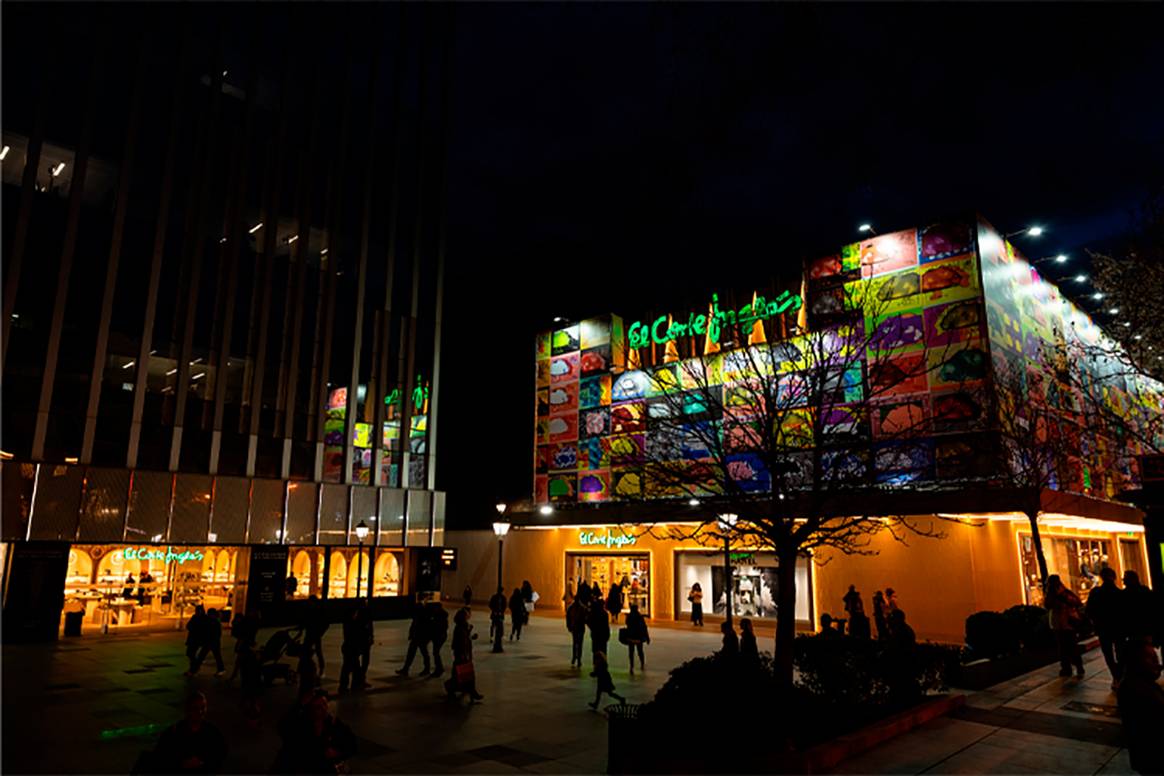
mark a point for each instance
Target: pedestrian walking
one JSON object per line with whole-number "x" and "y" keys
{"x": 498, "y": 603}
{"x": 599, "y": 629}
{"x": 1142, "y": 611}
{"x": 467, "y": 595}
{"x": 438, "y": 632}
{"x": 1141, "y": 704}
{"x": 568, "y": 596}
{"x": 731, "y": 642}
{"x": 244, "y": 630}
{"x": 517, "y": 613}
{"x": 1066, "y": 617}
{"x": 464, "y": 678}
{"x": 352, "y": 648}
{"x": 614, "y": 602}
{"x": 1105, "y": 609}
{"x": 530, "y": 596}
{"x": 251, "y": 684}
{"x": 601, "y": 672}
{"x": 880, "y": 615}
{"x": 584, "y": 592}
{"x": 634, "y": 635}
{"x": 749, "y": 650}
{"x": 695, "y": 598}
{"x": 369, "y": 629}
{"x": 195, "y": 630}
{"x": 315, "y": 625}
{"x": 576, "y": 624}
{"x": 192, "y": 745}
{"x": 417, "y": 641}
{"x": 212, "y": 643}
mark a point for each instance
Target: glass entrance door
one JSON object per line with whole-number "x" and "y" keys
{"x": 632, "y": 573}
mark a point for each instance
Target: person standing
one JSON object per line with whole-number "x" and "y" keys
{"x": 749, "y": 650}
{"x": 858, "y": 621}
{"x": 530, "y": 598}
{"x": 497, "y": 606}
{"x": 601, "y": 672}
{"x": 315, "y": 625}
{"x": 211, "y": 643}
{"x": 464, "y": 678}
{"x": 891, "y": 604}
{"x": 1105, "y": 609}
{"x": 369, "y": 638}
{"x": 1142, "y": 615}
{"x": 576, "y": 624}
{"x": 517, "y": 613}
{"x": 731, "y": 642}
{"x": 290, "y": 586}
{"x": 1066, "y": 617}
{"x": 353, "y": 645}
{"x": 127, "y": 589}
{"x": 438, "y": 632}
{"x": 599, "y": 629}
{"x": 244, "y": 632}
{"x": 467, "y": 595}
{"x": 568, "y": 596}
{"x": 880, "y": 615}
{"x": 614, "y": 602}
{"x": 195, "y": 635}
{"x": 696, "y": 599}
{"x": 637, "y": 634}
{"x": 584, "y": 592}
{"x": 417, "y": 641}
{"x": 144, "y": 593}
{"x": 1141, "y": 704}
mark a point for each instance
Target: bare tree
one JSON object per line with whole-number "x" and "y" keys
{"x": 799, "y": 437}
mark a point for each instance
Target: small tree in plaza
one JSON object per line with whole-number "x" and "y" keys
{"x": 802, "y": 439}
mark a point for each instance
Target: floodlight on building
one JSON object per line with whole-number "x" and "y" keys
{"x": 255, "y": 228}
{"x": 129, "y": 365}
{"x": 4, "y": 153}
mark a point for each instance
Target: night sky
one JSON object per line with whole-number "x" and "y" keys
{"x": 623, "y": 158}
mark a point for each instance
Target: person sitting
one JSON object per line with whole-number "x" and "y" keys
{"x": 192, "y": 745}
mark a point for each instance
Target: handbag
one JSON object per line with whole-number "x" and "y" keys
{"x": 623, "y": 636}
{"x": 464, "y": 673}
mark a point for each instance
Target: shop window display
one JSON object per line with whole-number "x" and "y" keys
{"x": 1077, "y": 561}
{"x": 386, "y": 577}
{"x": 754, "y": 583}
{"x": 306, "y": 568}
{"x": 632, "y": 573}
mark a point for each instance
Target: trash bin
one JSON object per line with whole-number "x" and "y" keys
{"x": 621, "y": 734}
{"x": 73, "y": 623}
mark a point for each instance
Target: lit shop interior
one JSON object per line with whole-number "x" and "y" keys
{"x": 632, "y": 573}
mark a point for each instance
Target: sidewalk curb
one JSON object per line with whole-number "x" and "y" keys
{"x": 824, "y": 756}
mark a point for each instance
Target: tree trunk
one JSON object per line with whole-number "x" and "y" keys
{"x": 1037, "y": 541}
{"x": 785, "y": 614}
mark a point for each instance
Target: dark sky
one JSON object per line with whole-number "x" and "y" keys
{"x": 622, "y": 157}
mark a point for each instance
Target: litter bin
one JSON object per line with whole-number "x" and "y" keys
{"x": 73, "y": 623}
{"x": 622, "y": 733}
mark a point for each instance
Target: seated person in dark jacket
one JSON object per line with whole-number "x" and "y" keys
{"x": 314, "y": 741}
{"x": 192, "y": 745}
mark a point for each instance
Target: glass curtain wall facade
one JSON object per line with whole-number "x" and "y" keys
{"x": 223, "y": 262}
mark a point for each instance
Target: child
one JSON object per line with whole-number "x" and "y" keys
{"x": 605, "y": 683}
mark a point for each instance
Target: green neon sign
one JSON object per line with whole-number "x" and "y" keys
{"x": 168, "y": 554}
{"x": 661, "y": 332}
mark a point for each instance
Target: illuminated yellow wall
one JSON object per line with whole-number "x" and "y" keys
{"x": 939, "y": 582}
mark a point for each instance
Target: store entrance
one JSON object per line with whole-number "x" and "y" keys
{"x": 631, "y": 572}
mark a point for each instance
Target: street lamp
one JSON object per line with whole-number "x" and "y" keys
{"x": 1059, "y": 259}
{"x": 361, "y": 535}
{"x": 1033, "y": 231}
{"x": 728, "y": 521}
{"x": 867, "y": 228}
{"x": 1080, "y": 278}
{"x": 500, "y": 528}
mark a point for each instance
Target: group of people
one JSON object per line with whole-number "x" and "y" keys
{"x": 888, "y": 623}
{"x": 588, "y": 610}
{"x": 143, "y": 587}
{"x": 519, "y": 604}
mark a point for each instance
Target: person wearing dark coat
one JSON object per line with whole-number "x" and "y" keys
{"x": 463, "y": 680}
{"x": 497, "y": 606}
{"x": 352, "y": 648}
{"x": 314, "y": 741}
{"x": 211, "y": 644}
{"x": 880, "y": 615}
{"x": 1141, "y": 704}
{"x": 601, "y": 672}
{"x": 584, "y": 592}
{"x": 599, "y": 628}
{"x": 637, "y": 634}
{"x": 417, "y": 641}
{"x": 517, "y": 613}
{"x": 1105, "y": 609}
{"x": 614, "y": 602}
{"x": 192, "y": 745}
{"x": 438, "y": 631}
{"x": 1141, "y": 610}
{"x": 527, "y": 595}
{"x": 749, "y": 650}
{"x": 130, "y": 582}
{"x": 467, "y": 595}
{"x": 731, "y": 642}
{"x": 195, "y": 636}
{"x": 576, "y": 624}
{"x": 315, "y": 624}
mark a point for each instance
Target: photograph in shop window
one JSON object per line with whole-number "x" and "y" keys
{"x": 939, "y": 338}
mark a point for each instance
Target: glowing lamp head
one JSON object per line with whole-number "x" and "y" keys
{"x": 501, "y": 508}
{"x": 501, "y": 529}
{"x": 1097, "y": 296}
{"x": 728, "y": 519}
{"x": 1061, "y": 259}
{"x": 693, "y": 502}
{"x": 865, "y": 228}
{"x": 546, "y": 509}
{"x": 1035, "y": 231}
{"x": 361, "y": 530}
{"x": 1080, "y": 278}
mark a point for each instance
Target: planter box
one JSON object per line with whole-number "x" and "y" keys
{"x": 988, "y": 672}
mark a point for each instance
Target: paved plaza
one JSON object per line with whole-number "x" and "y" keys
{"x": 83, "y": 706}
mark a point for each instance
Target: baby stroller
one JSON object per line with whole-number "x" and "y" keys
{"x": 284, "y": 642}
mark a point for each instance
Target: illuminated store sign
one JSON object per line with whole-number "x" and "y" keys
{"x": 588, "y": 538}
{"x": 167, "y": 555}
{"x": 661, "y": 332}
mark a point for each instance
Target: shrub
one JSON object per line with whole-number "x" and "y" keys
{"x": 864, "y": 672}
{"x": 1032, "y": 626}
{"x": 991, "y": 634}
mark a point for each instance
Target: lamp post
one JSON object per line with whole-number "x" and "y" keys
{"x": 361, "y": 535}
{"x": 728, "y": 522}
{"x": 500, "y": 528}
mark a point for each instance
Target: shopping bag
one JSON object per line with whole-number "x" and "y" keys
{"x": 464, "y": 673}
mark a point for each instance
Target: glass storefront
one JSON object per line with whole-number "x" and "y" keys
{"x": 754, "y": 583}
{"x": 1132, "y": 555}
{"x": 631, "y": 572}
{"x": 343, "y": 572}
{"x": 1077, "y": 561}
{"x": 120, "y": 586}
